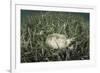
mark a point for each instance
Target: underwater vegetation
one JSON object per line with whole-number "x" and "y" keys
{"x": 47, "y": 36}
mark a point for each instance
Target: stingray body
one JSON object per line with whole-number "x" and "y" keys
{"x": 57, "y": 41}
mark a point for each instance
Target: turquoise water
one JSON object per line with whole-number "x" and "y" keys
{"x": 25, "y": 13}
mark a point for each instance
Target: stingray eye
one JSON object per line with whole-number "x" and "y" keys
{"x": 70, "y": 41}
